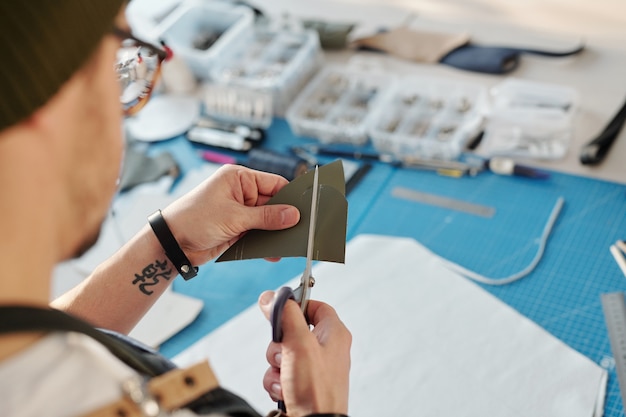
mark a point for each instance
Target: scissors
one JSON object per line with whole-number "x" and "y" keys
{"x": 301, "y": 294}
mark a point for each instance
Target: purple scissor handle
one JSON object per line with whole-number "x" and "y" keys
{"x": 280, "y": 299}
{"x": 282, "y": 295}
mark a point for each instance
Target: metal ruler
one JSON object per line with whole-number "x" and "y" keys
{"x": 445, "y": 202}
{"x": 614, "y": 307}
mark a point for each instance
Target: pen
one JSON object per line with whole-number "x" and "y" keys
{"x": 347, "y": 153}
{"x": 506, "y": 166}
{"x": 357, "y": 177}
{"x": 442, "y": 167}
{"x": 266, "y": 160}
{"x": 217, "y": 157}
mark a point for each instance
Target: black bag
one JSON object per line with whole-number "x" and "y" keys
{"x": 138, "y": 356}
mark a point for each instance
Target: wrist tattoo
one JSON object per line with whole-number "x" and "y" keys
{"x": 151, "y": 274}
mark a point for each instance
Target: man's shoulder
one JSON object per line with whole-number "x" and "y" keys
{"x": 62, "y": 374}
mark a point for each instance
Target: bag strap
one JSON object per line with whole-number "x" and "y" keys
{"x": 34, "y": 319}
{"x": 165, "y": 378}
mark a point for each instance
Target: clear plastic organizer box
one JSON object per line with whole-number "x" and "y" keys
{"x": 427, "y": 118}
{"x": 530, "y": 119}
{"x": 336, "y": 105}
{"x": 277, "y": 61}
{"x": 200, "y": 31}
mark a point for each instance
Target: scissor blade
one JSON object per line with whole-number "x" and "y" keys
{"x": 312, "y": 222}
{"x": 303, "y": 292}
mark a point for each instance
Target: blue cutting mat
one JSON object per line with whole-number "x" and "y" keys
{"x": 562, "y": 294}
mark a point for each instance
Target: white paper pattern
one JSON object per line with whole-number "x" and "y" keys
{"x": 426, "y": 342}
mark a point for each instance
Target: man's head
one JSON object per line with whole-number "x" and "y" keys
{"x": 60, "y": 113}
{"x": 43, "y": 43}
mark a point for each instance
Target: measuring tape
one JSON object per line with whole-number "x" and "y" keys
{"x": 614, "y": 307}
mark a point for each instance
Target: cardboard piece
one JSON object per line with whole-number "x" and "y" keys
{"x": 415, "y": 45}
{"x": 330, "y": 231}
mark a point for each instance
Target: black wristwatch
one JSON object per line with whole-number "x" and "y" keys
{"x": 171, "y": 247}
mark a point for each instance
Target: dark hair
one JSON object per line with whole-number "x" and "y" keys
{"x": 42, "y": 43}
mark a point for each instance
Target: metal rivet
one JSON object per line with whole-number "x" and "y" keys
{"x": 189, "y": 381}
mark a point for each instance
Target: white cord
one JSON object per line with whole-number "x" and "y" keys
{"x": 521, "y": 274}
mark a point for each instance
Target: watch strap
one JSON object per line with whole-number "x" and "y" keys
{"x": 172, "y": 250}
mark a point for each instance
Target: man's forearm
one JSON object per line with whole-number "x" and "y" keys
{"x": 122, "y": 289}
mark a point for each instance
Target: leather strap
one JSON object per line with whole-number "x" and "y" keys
{"x": 172, "y": 391}
{"x": 496, "y": 59}
{"x": 594, "y": 152}
{"x": 171, "y": 247}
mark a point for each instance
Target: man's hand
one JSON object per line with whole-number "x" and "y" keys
{"x": 309, "y": 370}
{"x": 209, "y": 219}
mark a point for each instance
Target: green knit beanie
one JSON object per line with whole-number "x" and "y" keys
{"x": 42, "y": 43}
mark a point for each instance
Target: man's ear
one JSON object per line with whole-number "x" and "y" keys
{"x": 43, "y": 118}
{"x": 120, "y": 20}
{"x": 54, "y": 113}
{"x": 38, "y": 119}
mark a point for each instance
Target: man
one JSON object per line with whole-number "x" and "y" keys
{"x": 60, "y": 155}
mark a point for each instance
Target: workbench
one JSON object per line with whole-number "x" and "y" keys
{"x": 563, "y": 293}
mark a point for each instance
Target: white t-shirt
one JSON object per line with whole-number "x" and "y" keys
{"x": 63, "y": 375}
